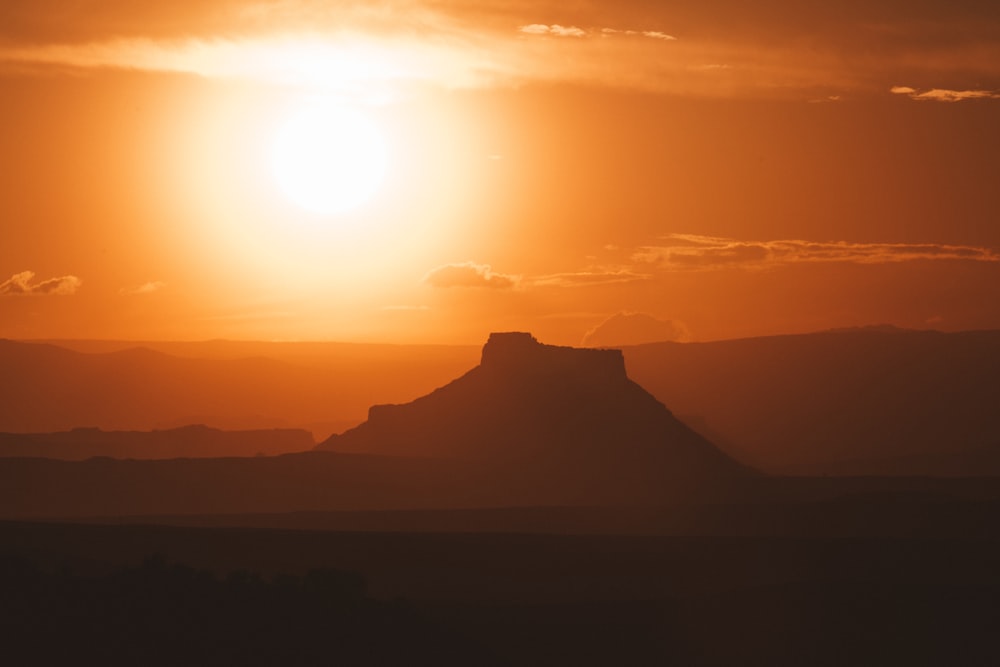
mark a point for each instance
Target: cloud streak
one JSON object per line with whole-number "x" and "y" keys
{"x": 349, "y": 47}
{"x": 944, "y": 94}
{"x": 694, "y": 252}
{"x": 587, "y": 278}
{"x": 469, "y": 274}
{"x": 651, "y": 34}
{"x": 557, "y": 30}
{"x": 21, "y": 284}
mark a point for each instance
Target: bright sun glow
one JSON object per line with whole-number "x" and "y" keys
{"x": 329, "y": 159}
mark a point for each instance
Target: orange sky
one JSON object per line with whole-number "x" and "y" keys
{"x": 728, "y": 168}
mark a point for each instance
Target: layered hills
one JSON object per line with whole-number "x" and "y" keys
{"x": 869, "y": 401}
{"x": 323, "y": 387}
{"x": 531, "y": 425}
{"x": 194, "y": 441}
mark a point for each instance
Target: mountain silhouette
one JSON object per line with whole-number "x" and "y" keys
{"x": 191, "y": 441}
{"x": 863, "y": 401}
{"x": 322, "y": 387}
{"x": 548, "y": 414}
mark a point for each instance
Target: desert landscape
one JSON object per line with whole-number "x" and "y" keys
{"x": 426, "y": 332}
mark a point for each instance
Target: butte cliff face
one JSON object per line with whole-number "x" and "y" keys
{"x": 542, "y": 414}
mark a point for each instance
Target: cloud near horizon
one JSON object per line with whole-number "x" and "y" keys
{"x": 554, "y": 29}
{"x": 944, "y": 94}
{"x": 651, "y": 34}
{"x": 20, "y": 284}
{"x": 587, "y": 278}
{"x": 469, "y": 274}
{"x": 557, "y": 30}
{"x": 695, "y": 252}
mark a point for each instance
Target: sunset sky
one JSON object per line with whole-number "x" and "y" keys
{"x": 725, "y": 167}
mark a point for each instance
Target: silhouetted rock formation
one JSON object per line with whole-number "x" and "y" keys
{"x": 532, "y": 425}
{"x": 545, "y": 416}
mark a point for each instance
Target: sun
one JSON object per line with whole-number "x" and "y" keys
{"x": 328, "y": 159}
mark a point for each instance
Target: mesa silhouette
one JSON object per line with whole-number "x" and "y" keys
{"x": 542, "y": 412}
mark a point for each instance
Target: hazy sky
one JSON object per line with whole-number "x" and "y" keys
{"x": 729, "y": 168}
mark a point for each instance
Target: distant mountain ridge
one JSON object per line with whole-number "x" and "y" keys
{"x": 46, "y": 388}
{"x": 194, "y": 441}
{"x": 866, "y": 401}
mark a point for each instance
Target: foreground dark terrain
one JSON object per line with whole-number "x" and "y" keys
{"x": 133, "y": 594}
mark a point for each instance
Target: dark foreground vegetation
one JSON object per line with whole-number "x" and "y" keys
{"x": 160, "y": 613}
{"x": 148, "y": 595}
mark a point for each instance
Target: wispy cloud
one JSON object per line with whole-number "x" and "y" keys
{"x": 469, "y": 274}
{"x": 557, "y": 30}
{"x": 695, "y": 252}
{"x": 554, "y": 29}
{"x": 651, "y": 34}
{"x": 341, "y": 62}
{"x": 353, "y": 45}
{"x": 21, "y": 284}
{"x": 587, "y": 278}
{"x": 944, "y": 94}
{"x": 145, "y": 288}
